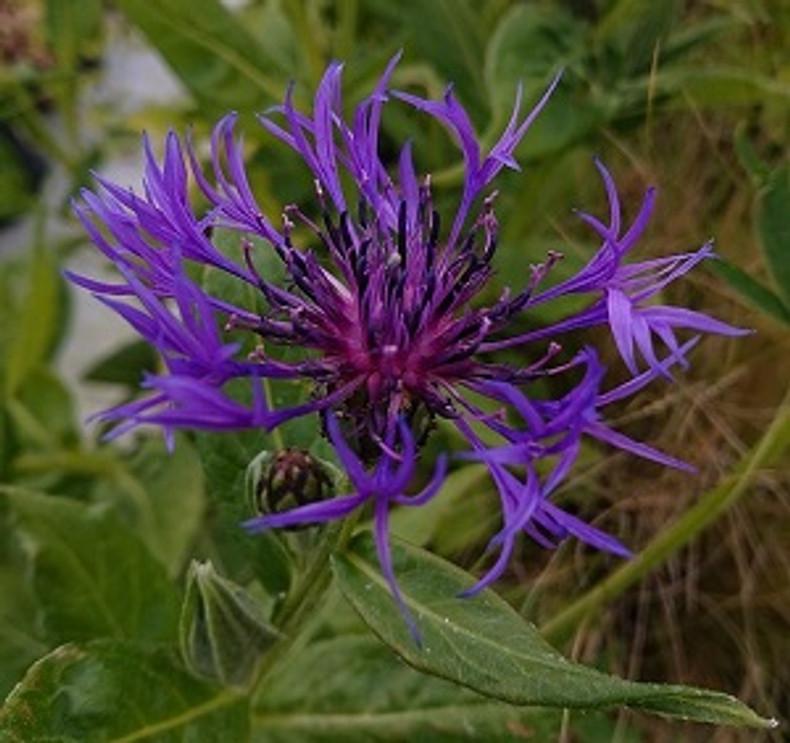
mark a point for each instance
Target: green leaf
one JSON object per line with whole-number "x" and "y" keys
{"x": 224, "y": 630}
{"x": 637, "y": 28}
{"x": 270, "y": 25}
{"x": 748, "y": 158}
{"x": 773, "y": 227}
{"x": 529, "y": 47}
{"x": 160, "y": 495}
{"x": 72, "y": 31}
{"x": 36, "y": 326}
{"x": 124, "y": 366}
{"x": 225, "y": 458}
{"x": 212, "y": 53}
{"x": 714, "y": 86}
{"x": 483, "y": 644}
{"x": 773, "y": 231}
{"x": 91, "y": 576}
{"x": 18, "y": 181}
{"x": 752, "y": 290}
{"x": 19, "y": 645}
{"x": 453, "y": 512}
{"x": 74, "y": 36}
{"x": 688, "y": 36}
{"x": 109, "y": 691}
{"x": 353, "y": 689}
{"x": 447, "y": 34}
{"x": 43, "y": 413}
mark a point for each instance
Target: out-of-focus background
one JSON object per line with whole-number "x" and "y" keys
{"x": 691, "y": 96}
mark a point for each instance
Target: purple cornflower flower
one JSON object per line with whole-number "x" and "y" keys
{"x": 384, "y": 310}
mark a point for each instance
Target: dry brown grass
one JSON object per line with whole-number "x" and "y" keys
{"x": 718, "y": 613}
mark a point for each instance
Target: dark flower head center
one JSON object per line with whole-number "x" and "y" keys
{"x": 391, "y": 323}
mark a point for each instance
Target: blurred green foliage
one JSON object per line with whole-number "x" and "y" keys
{"x": 96, "y": 537}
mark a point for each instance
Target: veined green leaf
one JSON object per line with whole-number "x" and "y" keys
{"x": 353, "y": 689}
{"x": 92, "y": 577}
{"x": 483, "y": 644}
{"x": 19, "y": 643}
{"x": 224, "y": 629}
{"x": 160, "y": 495}
{"x": 109, "y": 691}
{"x": 225, "y": 458}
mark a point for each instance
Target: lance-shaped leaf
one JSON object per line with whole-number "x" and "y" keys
{"x": 755, "y": 292}
{"x": 483, "y": 644}
{"x": 353, "y": 689}
{"x": 773, "y": 228}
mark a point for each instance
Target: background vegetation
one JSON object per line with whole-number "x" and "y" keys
{"x": 692, "y": 96}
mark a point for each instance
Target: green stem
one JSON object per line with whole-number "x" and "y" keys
{"x": 310, "y": 45}
{"x": 712, "y": 505}
{"x": 291, "y": 616}
{"x": 314, "y": 579}
{"x": 276, "y": 435}
{"x": 348, "y": 17}
{"x": 147, "y": 732}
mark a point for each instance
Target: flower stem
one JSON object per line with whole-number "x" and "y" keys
{"x": 275, "y": 435}
{"x": 315, "y": 578}
{"x": 711, "y": 506}
{"x": 300, "y": 603}
{"x": 345, "y": 34}
{"x": 311, "y": 46}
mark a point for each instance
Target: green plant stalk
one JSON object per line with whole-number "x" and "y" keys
{"x": 314, "y": 579}
{"x": 301, "y": 601}
{"x": 311, "y": 47}
{"x": 711, "y": 506}
{"x": 276, "y": 434}
{"x": 346, "y": 31}
{"x": 223, "y": 698}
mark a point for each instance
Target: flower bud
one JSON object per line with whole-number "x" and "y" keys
{"x": 280, "y": 481}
